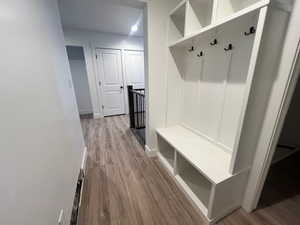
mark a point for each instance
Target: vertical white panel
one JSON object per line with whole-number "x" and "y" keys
{"x": 212, "y": 86}
{"x": 237, "y": 77}
{"x": 193, "y": 73}
{"x": 175, "y": 75}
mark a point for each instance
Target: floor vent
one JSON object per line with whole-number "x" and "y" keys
{"x": 77, "y": 199}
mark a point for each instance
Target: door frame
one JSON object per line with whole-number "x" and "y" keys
{"x": 125, "y": 74}
{"x": 90, "y": 73}
{"x": 99, "y": 78}
{"x": 274, "y": 121}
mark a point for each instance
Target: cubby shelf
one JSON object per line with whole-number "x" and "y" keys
{"x": 188, "y": 38}
{"x": 181, "y": 4}
{"x": 212, "y": 161}
{"x": 208, "y": 87}
{"x": 177, "y": 21}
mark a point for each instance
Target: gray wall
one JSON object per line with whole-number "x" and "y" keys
{"x": 40, "y": 135}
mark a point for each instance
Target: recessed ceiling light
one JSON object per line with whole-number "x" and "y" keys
{"x": 134, "y": 28}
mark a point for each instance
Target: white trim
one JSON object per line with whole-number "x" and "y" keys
{"x": 84, "y": 158}
{"x": 257, "y": 180}
{"x": 149, "y": 152}
{"x": 268, "y": 137}
{"x": 97, "y": 115}
{"x": 125, "y": 75}
{"x": 125, "y": 83}
{"x": 84, "y": 112}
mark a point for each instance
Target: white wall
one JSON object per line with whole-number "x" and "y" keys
{"x": 41, "y": 139}
{"x": 80, "y": 79}
{"x": 104, "y": 40}
{"x": 92, "y": 40}
{"x": 157, "y": 23}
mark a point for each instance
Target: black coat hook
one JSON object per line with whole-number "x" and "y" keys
{"x": 215, "y": 41}
{"x": 200, "y": 54}
{"x": 230, "y": 47}
{"x": 191, "y": 49}
{"x": 251, "y": 31}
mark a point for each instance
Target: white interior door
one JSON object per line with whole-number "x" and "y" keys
{"x": 112, "y": 85}
{"x": 134, "y": 68}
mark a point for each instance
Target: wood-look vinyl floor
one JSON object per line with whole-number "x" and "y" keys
{"x": 125, "y": 187}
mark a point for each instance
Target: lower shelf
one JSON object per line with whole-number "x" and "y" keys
{"x": 197, "y": 183}
{"x": 166, "y": 151}
{"x": 214, "y": 199}
{"x": 165, "y": 162}
{"x": 193, "y": 197}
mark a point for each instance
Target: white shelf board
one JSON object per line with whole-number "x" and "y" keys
{"x": 209, "y": 159}
{"x": 185, "y": 40}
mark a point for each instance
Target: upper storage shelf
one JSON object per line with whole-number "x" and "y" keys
{"x": 198, "y": 15}
{"x": 225, "y": 8}
{"x": 212, "y": 161}
{"x": 177, "y": 22}
{"x": 222, "y": 12}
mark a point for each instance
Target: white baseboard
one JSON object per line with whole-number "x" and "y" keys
{"x": 150, "y": 152}
{"x": 85, "y": 112}
{"x": 97, "y": 115}
{"x": 84, "y": 158}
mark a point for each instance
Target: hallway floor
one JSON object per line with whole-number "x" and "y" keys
{"x": 125, "y": 187}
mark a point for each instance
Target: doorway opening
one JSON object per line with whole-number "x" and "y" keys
{"x": 282, "y": 185}
{"x": 80, "y": 80}
{"x": 108, "y": 49}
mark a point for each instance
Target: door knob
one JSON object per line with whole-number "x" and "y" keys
{"x": 121, "y": 87}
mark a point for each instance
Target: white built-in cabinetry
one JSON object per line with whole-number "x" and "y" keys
{"x": 212, "y": 55}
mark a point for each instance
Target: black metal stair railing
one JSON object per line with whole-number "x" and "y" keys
{"x": 137, "y": 114}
